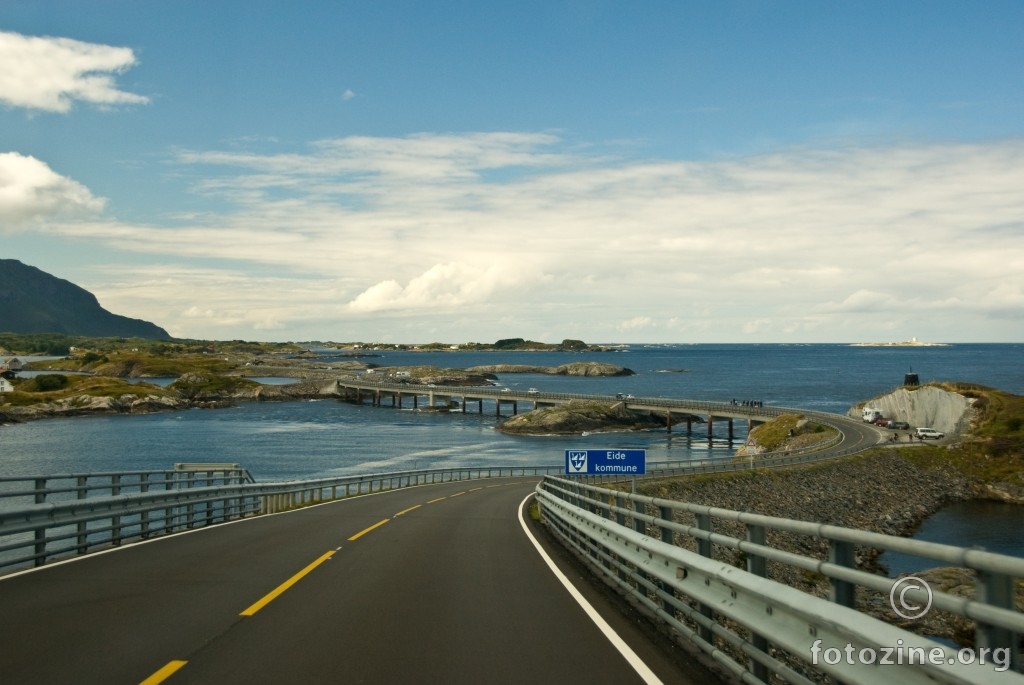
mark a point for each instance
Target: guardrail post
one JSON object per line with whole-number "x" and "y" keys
{"x": 190, "y": 513}
{"x": 115, "y": 521}
{"x": 704, "y": 545}
{"x": 757, "y": 565}
{"x": 704, "y": 549}
{"x": 639, "y": 525}
{"x": 144, "y": 516}
{"x": 169, "y": 511}
{"x": 842, "y": 554}
{"x": 620, "y": 503}
{"x": 82, "y": 528}
{"x": 209, "y": 505}
{"x": 997, "y": 589}
{"x": 40, "y": 533}
{"x": 667, "y": 535}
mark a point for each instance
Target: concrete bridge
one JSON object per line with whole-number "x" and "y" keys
{"x": 676, "y": 412}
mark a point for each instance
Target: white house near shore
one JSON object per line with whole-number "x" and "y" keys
{"x": 5, "y": 385}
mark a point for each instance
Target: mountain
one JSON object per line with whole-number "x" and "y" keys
{"x": 33, "y": 301}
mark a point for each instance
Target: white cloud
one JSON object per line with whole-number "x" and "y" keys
{"x": 347, "y": 95}
{"x": 49, "y": 74}
{"x": 29, "y": 189}
{"x": 637, "y": 323}
{"x": 477, "y": 234}
{"x": 443, "y": 286}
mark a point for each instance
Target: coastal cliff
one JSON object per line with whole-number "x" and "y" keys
{"x": 926, "y": 405}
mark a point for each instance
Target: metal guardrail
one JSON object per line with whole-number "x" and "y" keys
{"x": 63, "y": 520}
{"x": 37, "y": 489}
{"x": 662, "y": 555}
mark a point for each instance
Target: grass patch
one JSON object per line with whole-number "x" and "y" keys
{"x": 790, "y": 432}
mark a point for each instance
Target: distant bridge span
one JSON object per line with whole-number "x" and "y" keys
{"x": 675, "y": 411}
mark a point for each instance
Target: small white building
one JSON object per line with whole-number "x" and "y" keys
{"x": 5, "y": 385}
{"x": 12, "y": 364}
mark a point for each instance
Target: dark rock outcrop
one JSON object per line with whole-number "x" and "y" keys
{"x": 577, "y": 417}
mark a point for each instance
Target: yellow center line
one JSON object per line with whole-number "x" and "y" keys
{"x": 436, "y": 500}
{"x": 459, "y": 493}
{"x": 475, "y": 489}
{"x": 367, "y": 530}
{"x": 164, "y": 673}
{"x": 406, "y": 511}
{"x": 270, "y": 597}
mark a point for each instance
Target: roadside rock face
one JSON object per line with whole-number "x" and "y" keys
{"x": 927, "y": 405}
{"x": 579, "y": 416}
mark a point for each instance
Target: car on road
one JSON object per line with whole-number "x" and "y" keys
{"x": 532, "y": 391}
{"x": 898, "y": 425}
{"x": 929, "y": 434}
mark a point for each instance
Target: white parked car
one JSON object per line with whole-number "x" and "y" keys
{"x": 929, "y": 433}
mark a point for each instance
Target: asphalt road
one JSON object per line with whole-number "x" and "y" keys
{"x": 434, "y": 584}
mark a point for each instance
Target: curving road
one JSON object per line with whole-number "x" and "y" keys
{"x": 433, "y": 584}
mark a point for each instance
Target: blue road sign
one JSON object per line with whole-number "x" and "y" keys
{"x": 606, "y": 462}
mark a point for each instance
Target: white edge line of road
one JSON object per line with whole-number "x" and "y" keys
{"x": 628, "y": 654}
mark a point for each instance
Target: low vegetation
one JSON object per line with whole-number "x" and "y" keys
{"x": 790, "y": 432}
{"x": 56, "y": 387}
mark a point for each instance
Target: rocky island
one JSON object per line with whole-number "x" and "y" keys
{"x": 573, "y": 369}
{"x": 580, "y": 416}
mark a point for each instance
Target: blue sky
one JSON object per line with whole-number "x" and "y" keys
{"x": 466, "y": 171}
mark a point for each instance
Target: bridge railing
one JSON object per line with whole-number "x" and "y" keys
{"x": 705, "y": 573}
{"x": 492, "y": 392}
{"x": 73, "y": 514}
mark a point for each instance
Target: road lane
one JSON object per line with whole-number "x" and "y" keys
{"x": 425, "y": 584}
